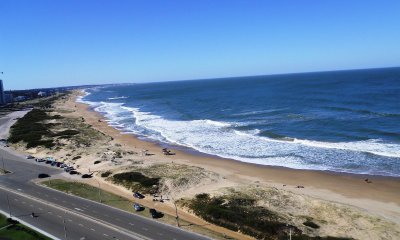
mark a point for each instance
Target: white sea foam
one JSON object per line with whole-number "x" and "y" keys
{"x": 221, "y": 139}
{"x": 115, "y": 98}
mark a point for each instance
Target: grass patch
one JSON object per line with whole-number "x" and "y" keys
{"x": 31, "y": 130}
{"x": 106, "y": 174}
{"x": 136, "y": 181}
{"x": 241, "y": 213}
{"x": 311, "y": 224}
{"x": 18, "y": 231}
{"x": 92, "y": 193}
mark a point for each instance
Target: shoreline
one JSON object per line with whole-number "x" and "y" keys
{"x": 345, "y": 205}
{"x": 303, "y": 177}
{"x": 194, "y": 152}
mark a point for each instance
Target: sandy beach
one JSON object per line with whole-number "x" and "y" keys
{"x": 359, "y": 209}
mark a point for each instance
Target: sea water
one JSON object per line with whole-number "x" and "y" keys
{"x": 343, "y": 121}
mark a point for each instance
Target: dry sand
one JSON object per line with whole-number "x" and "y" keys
{"x": 347, "y": 204}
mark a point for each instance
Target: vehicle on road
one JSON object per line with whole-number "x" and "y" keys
{"x": 30, "y": 157}
{"x": 86, "y": 175}
{"x": 138, "y": 207}
{"x": 138, "y": 195}
{"x": 72, "y": 172}
{"x": 49, "y": 162}
{"x": 39, "y": 160}
{"x": 43, "y": 175}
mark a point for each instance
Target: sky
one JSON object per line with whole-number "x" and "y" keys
{"x": 74, "y": 42}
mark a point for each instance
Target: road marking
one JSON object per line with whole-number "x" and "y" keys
{"x": 69, "y": 220}
{"x": 41, "y": 209}
{"x": 105, "y": 234}
{"x": 19, "y": 189}
{"x": 80, "y": 224}
{"x": 59, "y": 216}
{"x": 78, "y": 209}
{"x": 132, "y": 224}
{"x": 31, "y": 205}
{"x": 146, "y": 229}
{"x": 92, "y": 229}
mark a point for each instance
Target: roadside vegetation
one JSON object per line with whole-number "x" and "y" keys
{"x": 241, "y": 213}
{"x": 136, "y": 181}
{"x": 90, "y": 192}
{"x": 12, "y": 230}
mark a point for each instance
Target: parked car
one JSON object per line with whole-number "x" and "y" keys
{"x": 86, "y": 175}
{"x": 67, "y": 169}
{"x": 39, "y": 160}
{"x": 138, "y": 195}
{"x": 30, "y": 157}
{"x": 49, "y": 162}
{"x": 155, "y": 214}
{"x": 138, "y": 207}
{"x": 72, "y": 172}
{"x": 43, "y": 175}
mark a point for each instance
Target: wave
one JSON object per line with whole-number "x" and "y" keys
{"x": 115, "y": 98}
{"x": 224, "y": 140}
{"x": 363, "y": 111}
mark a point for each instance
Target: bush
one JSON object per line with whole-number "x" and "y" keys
{"x": 106, "y": 174}
{"x": 137, "y": 181}
{"x": 311, "y": 224}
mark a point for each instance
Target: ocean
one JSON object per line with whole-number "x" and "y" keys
{"x": 342, "y": 121}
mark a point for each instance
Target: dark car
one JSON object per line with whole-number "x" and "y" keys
{"x": 138, "y": 195}
{"x": 49, "y": 161}
{"x": 155, "y": 214}
{"x": 86, "y": 175}
{"x": 43, "y": 175}
{"x": 72, "y": 172}
{"x": 138, "y": 207}
{"x": 30, "y": 157}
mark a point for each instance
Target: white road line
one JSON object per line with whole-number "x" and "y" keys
{"x": 59, "y": 216}
{"x": 41, "y": 209}
{"x": 92, "y": 229}
{"x": 80, "y": 224}
{"x": 132, "y": 224}
{"x": 105, "y": 234}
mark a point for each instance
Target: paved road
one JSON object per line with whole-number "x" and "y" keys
{"x": 83, "y": 219}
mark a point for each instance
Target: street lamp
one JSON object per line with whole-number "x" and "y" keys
{"x": 99, "y": 189}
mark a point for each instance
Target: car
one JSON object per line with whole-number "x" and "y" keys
{"x": 43, "y": 175}
{"x": 86, "y": 175}
{"x": 72, "y": 172}
{"x": 39, "y": 160}
{"x": 67, "y": 169}
{"x": 53, "y": 163}
{"x": 138, "y": 195}
{"x": 155, "y": 214}
{"x": 30, "y": 157}
{"x": 138, "y": 207}
{"x": 49, "y": 162}
{"x": 63, "y": 165}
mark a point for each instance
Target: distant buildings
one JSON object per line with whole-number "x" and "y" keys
{"x": 2, "y": 95}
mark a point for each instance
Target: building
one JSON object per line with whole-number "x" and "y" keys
{"x": 2, "y": 95}
{"x": 9, "y": 98}
{"x": 42, "y": 94}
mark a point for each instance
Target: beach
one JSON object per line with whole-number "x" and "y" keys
{"x": 354, "y": 204}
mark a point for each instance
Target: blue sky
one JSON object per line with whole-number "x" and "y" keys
{"x": 74, "y": 42}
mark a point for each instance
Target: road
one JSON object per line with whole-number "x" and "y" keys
{"x": 70, "y": 217}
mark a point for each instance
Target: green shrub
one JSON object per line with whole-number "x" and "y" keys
{"x": 137, "y": 181}
{"x": 311, "y": 224}
{"x": 106, "y": 174}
